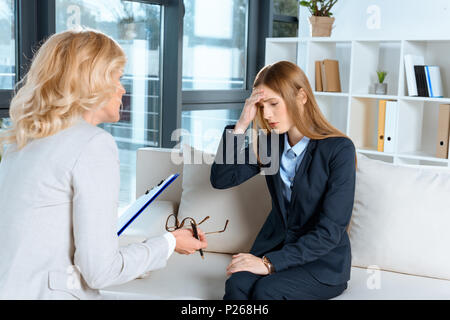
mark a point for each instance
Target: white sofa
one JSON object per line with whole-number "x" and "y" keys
{"x": 190, "y": 277}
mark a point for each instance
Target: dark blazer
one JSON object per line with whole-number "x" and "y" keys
{"x": 311, "y": 232}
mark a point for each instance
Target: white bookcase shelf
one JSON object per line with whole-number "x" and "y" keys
{"x": 354, "y": 111}
{"x": 330, "y": 94}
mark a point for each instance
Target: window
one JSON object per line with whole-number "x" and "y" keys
{"x": 7, "y": 45}
{"x": 201, "y": 76}
{"x": 4, "y": 122}
{"x": 215, "y": 44}
{"x": 285, "y": 19}
{"x": 286, "y": 7}
{"x": 136, "y": 27}
{"x": 217, "y": 70}
{"x": 205, "y": 127}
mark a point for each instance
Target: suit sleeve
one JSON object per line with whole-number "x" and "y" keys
{"x": 234, "y": 163}
{"x": 334, "y": 214}
{"x": 95, "y": 200}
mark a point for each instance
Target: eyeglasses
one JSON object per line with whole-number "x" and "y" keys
{"x": 178, "y": 225}
{"x": 175, "y": 224}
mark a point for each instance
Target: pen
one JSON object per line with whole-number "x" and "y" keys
{"x": 194, "y": 229}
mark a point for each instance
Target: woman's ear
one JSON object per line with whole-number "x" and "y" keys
{"x": 301, "y": 96}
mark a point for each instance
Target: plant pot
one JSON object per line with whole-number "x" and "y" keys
{"x": 380, "y": 88}
{"x": 321, "y": 26}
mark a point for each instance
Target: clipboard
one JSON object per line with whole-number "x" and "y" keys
{"x": 141, "y": 203}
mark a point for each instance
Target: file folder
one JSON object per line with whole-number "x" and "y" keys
{"x": 434, "y": 81}
{"x": 318, "y": 76}
{"x": 381, "y": 124}
{"x": 443, "y": 131}
{"x": 421, "y": 80}
{"x": 142, "y": 203}
{"x": 331, "y": 81}
{"x": 390, "y": 131}
{"x": 410, "y": 61}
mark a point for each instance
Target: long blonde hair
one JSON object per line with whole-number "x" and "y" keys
{"x": 286, "y": 79}
{"x": 71, "y": 73}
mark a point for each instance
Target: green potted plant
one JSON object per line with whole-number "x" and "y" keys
{"x": 321, "y": 17}
{"x": 380, "y": 86}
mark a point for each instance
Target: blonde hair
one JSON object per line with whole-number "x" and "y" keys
{"x": 71, "y": 73}
{"x": 286, "y": 79}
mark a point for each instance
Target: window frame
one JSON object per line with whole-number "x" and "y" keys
{"x": 5, "y": 98}
{"x": 260, "y": 15}
{"x": 35, "y": 21}
{"x": 284, "y": 18}
{"x": 6, "y": 94}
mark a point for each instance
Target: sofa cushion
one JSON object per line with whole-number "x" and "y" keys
{"x": 189, "y": 277}
{"x": 184, "y": 277}
{"x": 245, "y": 206}
{"x": 156, "y": 164}
{"x": 371, "y": 284}
{"x": 401, "y": 218}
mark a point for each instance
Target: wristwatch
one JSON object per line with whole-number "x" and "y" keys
{"x": 268, "y": 264}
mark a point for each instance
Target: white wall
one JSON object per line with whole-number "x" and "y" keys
{"x": 387, "y": 19}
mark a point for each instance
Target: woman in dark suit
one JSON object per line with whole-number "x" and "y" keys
{"x": 303, "y": 249}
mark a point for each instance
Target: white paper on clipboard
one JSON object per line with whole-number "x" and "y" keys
{"x": 141, "y": 203}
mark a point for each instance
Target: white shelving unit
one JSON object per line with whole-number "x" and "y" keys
{"x": 354, "y": 111}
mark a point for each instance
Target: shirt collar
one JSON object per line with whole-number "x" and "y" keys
{"x": 298, "y": 148}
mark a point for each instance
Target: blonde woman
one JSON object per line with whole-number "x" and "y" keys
{"x": 303, "y": 250}
{"x": 59, "y": 178}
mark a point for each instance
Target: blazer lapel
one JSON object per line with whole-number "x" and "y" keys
{"x": 278, "y": 183}
{"x": 304, "y": 165}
